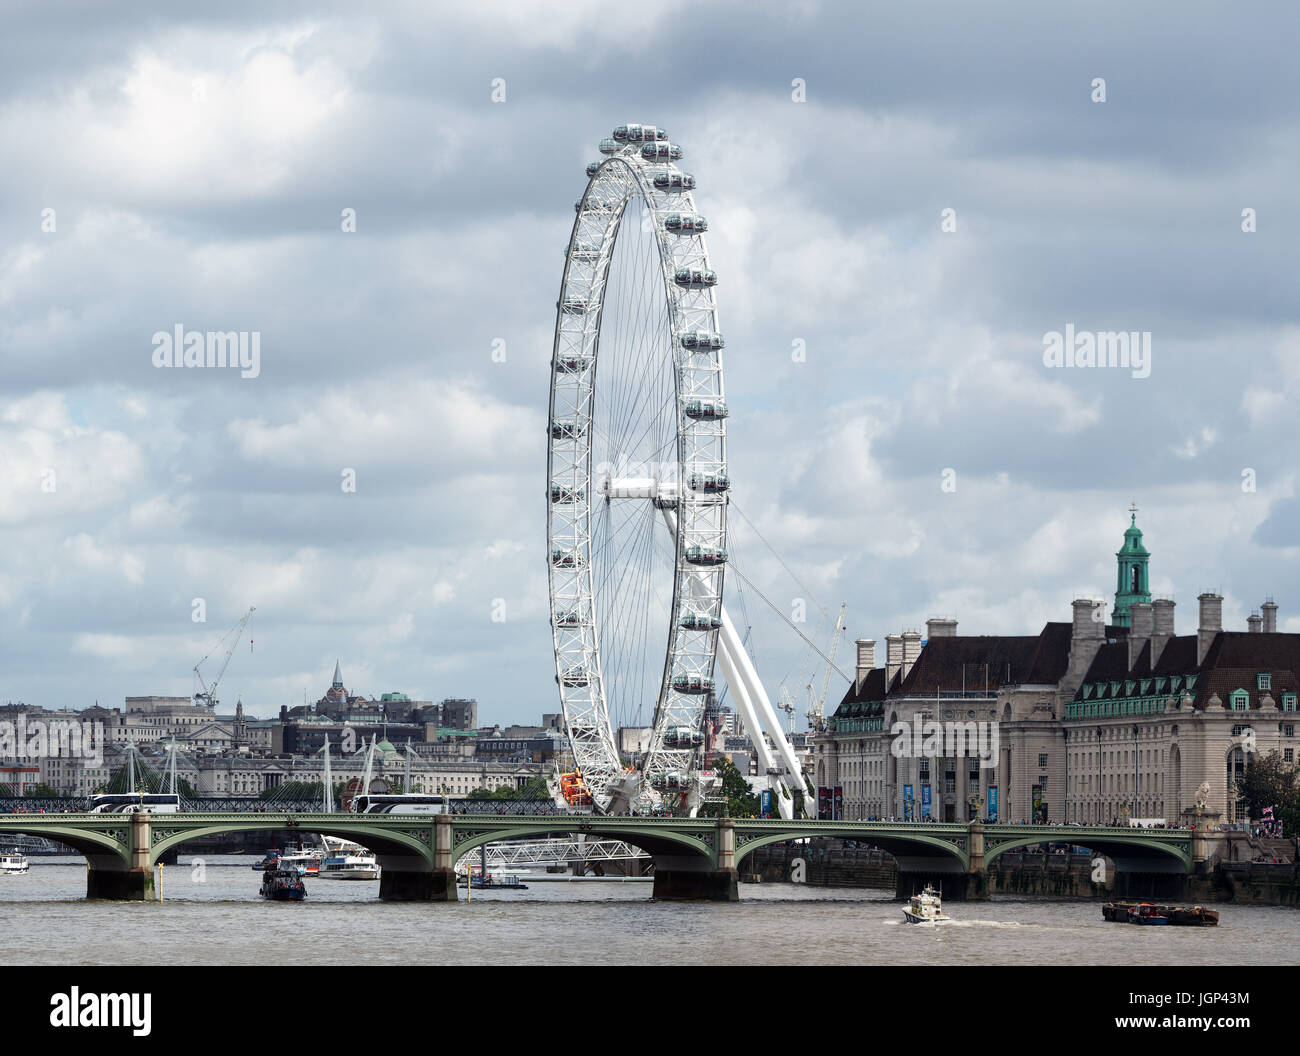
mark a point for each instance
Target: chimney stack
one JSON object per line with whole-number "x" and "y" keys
{"x": 866, "y": 659}
{"x": 911, "y": 649}
{"x": 1269, "y": 609}
{"x": 1087, "y": 634}
{"x": 1211, "y": 623}
{"x": 937, "y": 628}
{"x": 1141, "y": 627}
{"x": 1254, "y": 622}
{"x": 1164, "y": 627}
{"x": 893, "y": 656}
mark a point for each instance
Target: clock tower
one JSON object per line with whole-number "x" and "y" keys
{"x": 1131, "y": 580}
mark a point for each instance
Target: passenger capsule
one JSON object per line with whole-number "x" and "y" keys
{"x": 671, "y": 781}
{"x": 562, "y": 558}
{"x": 575, "y": 676}
{"x": 702, "y": 341}
{"x": 567, "y": 430}
{"x": 574, "y": 305}
{"x": 567, "y": 618}
{"x": 674, "y": 181}
{"x": 706, "y": 555}
{"x": 593, "y": 167}
{"x": 692, "y": 684}
{"x": 661, "y": 150}
{"x": 705, "y": 410}
{"x": 686, "y": 223}
{"x": 608, "y": 146}
{"x": 696, "y": 622}
{"x": 638, "y": 134}
{"x": 597, "y": 205}
{"x": 563, "y": 495}
{"x": 682, "y": 737}
{"x": 709, "y": 483}
{"x": 570, "y": 364}
{"x": 695, "y": 278}
{"x": 583, "y": 253}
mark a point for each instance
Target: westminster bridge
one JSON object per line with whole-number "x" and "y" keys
{"x": 694, "y": 858}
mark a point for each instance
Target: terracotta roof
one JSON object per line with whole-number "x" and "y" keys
{"x": 873, "y": 689}
{"x": 1236, "y": 658}
{"x": 962, "y": 661}
{"x": 1234, "y": 661}
{"x": 951, "y": 664}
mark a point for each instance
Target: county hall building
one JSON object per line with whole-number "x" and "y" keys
{"x": 1099, "y": 720}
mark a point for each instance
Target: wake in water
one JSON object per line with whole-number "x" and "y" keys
{"x": 961, "y": 924}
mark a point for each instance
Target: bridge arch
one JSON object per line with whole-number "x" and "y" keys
{"x": 899, "y": 844}
{"x": 111, "y": 844}
{"x": 657, "y": 843}
{"x": 385, "y": 841}
{"x": 1118, "y": 846}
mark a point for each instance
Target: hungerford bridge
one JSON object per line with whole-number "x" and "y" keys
{"x": 694, "y": 858}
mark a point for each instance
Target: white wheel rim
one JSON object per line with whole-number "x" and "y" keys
{"x": 605, "y": 650}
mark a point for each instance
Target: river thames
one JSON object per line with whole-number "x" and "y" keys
{"x": 214, "y": 915}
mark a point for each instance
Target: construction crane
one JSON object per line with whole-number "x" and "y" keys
{"x": 817, "y": 705}
{"x": 208, "y": 694}
{"x": 787, "y": 705}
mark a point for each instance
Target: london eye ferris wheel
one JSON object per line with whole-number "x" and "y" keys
{"x": 637, "y": 474}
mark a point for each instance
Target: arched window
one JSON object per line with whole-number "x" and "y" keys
{"x": 1236, "y": 771}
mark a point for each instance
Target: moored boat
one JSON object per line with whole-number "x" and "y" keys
{"x": 13, "y": 863}
{"x": 492, "y": 881}
{"x": 348, "y": 861}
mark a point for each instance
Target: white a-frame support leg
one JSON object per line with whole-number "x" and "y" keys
{"x": 741, "y": 676}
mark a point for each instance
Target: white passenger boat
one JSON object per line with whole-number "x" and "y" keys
{"x": 347, "y": 861}
{"x": 308, "y": 863}
{"x": 925, "y": 908}
{"x": 13, "y": 863}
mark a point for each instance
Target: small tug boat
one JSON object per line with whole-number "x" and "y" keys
{"x": 1146, "y": 913}
{"x": 925, "y": 908}
{"x": 1151, "y": 913}
{"x": 283, "y": 885}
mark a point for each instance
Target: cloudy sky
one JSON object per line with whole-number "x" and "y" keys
{"x": 166, "y": 165}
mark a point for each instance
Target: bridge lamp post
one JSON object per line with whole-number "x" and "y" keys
{"x": 975, "y": 801}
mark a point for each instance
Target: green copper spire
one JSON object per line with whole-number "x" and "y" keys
{"x": 1131, "y": 584}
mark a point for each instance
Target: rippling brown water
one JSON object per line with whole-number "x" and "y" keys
{"x": 218, "y": 918}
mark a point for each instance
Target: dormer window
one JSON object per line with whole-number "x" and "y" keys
{"x": 1288, "y": 702}
{"x": 1240, "y": 700}
{"x": 1264, "y": 680}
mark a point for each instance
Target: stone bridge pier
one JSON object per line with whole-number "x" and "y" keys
{"x": 110, "y": 876}
{"x": 956, "y": 880}
{"x": 696, "y": 877}
{"x": 409, "y": 878}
